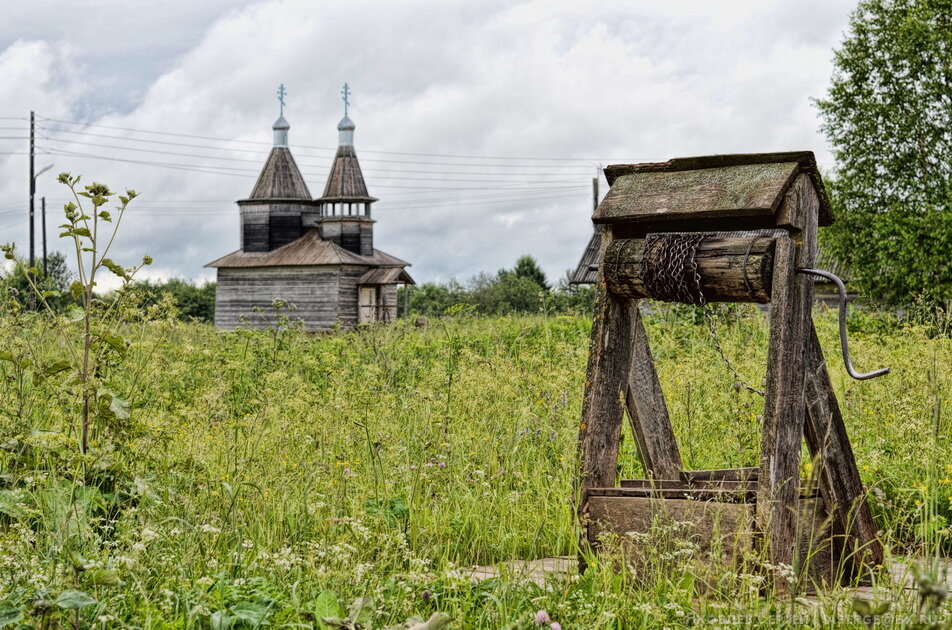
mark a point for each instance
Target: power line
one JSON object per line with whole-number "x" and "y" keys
{"x": 262, "y": 143}
{"x": 300, "y": 153}
{"x": 477, "y": 179}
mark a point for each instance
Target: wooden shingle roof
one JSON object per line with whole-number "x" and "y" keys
{"x": 309, "y": 250}
{"x": 280, "y": 178}
{"x": 345, "y": 181}
{"x": 710, "y": 187}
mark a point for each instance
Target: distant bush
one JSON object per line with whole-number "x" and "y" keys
{"x": 54, "y": 282}
{"x": 194, "y": 302}
{"x": 520, "y": 290}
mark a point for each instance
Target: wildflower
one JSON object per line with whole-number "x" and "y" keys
{"x": 542, "y": 618}
{"x": 148, "y": 535}
{"x": 210, "y": 529}
{"x": 441, "y": 464}
{"x": 556, "y": 625}
{"x": 239, "y": 582}
{"x": 426, "y": 595}
{"x": 413, "y": 467}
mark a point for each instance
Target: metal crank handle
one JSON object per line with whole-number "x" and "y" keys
{"x": 843, "y": 344}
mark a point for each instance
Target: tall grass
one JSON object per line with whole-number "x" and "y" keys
{"x": 268, "y": 468}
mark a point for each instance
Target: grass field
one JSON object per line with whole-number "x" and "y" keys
{"x": 268, "y": 479}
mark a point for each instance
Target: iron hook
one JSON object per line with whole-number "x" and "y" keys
{"x": 843, "y": 343}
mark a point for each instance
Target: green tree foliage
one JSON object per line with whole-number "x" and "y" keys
{"x": 54, "y": 282}
{"x": 888, "y": 115}
{"x": 527, "y": 267}
{"x": 522, "y": 289}
{"x": 194, "y": 302}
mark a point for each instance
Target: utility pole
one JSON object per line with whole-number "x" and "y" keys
{"x": 32, "y": 192}
{"x": 594, "y": 193}
{"x": 43, "y": 223}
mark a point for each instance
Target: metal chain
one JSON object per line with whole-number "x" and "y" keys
{"x": 668, "y": 277}
{"x": 739, "y": 381}
{"x": 671, "y": 257}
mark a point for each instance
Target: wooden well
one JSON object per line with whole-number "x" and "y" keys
{"x": 664, "y": 236}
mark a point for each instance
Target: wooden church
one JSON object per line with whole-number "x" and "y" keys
{"x": 315, "y": 254}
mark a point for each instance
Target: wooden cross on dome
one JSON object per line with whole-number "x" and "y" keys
{"x": 281, "y": 94}
{"x": 345, "y": 96}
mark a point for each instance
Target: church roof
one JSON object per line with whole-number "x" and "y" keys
{"x": 345, "y": 181}
{"x": 308, "y": 250}
{"x": 280, "y": 178}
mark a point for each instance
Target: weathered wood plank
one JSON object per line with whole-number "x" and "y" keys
{"x": 784, "y": 401}
{"x": 721, "y": 474}
{"x": 647, "y": 411}
{"x": 605, "y": 386}
{"x": 731, "y": 269}
{"x": 701, "y": 490}
{"x": 805, "y": 159}
{"x": 830, "y": 448}
{"x": 745, "y": 190}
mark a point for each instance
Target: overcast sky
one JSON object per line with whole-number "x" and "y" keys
{"x": 479, "y": 124}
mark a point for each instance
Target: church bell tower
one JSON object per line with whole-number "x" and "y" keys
{"x": 342, "y": 213}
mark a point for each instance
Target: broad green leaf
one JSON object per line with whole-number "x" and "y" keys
{"x": 250, "y": 612}
{"x": 103, "y": 577}
{"x": 10, "y": 616}
{"x": 71, "y": 600}
{"x": 75, "y": 313}
{"x": 76, "y": 289}
{"x": 326, "y": 605}
{"x": 81, "y": 231}
{"x": 117, "y": 343}
{"x": 335, "y": 622}
{"x": 361, "y": 609}
{"x": 55, "y": 368}
{"x": 221, "y": 620}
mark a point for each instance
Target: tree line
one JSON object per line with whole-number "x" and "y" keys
{"x": 522, "y": 289}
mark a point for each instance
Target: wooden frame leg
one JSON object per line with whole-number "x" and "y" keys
{"x": 647, "y": 410}
{"x": 829, "y": 445}
{"x": 606, "y": 382}
{"x": 784, "y": 409}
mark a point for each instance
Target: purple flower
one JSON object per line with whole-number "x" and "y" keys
{"x": 442, "y": 464}
{"x": 556, "y": 625}
{"x": 542, "y": 618}
{"x": 426, "y": 594}
{"x": 413, "y": 467}
{"x": 347, "y": 471}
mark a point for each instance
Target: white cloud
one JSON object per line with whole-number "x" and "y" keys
{"x": 606, "y": 81}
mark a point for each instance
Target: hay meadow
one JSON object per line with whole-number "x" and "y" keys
{"x": 259, "y": 479}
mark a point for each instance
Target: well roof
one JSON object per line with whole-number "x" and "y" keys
{"x": 722, "y": 186}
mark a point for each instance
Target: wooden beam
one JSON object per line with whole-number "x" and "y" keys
{"x": 647, "y": 411}
{"x": 790, "y": 321}
{"x": 731, "y": 269}
{"x": 830, "y": 447}
{"x": 721, "y": 474}
{"x": 606, "y": 382}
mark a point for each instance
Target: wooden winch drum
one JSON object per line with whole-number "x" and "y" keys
{"x": 730, "y": 269}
